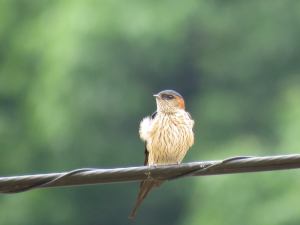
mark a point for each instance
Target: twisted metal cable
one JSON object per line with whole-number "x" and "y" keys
{"x": 88, "y": 176}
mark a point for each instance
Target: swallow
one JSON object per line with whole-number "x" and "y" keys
{"x": 167, "y": 134}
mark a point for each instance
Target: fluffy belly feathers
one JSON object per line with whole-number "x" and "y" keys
{"x": 168, "y": 137}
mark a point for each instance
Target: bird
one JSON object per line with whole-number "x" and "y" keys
{"x": 168, "y": 134}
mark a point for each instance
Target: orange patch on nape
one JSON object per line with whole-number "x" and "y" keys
{"x": 181, "y": 102}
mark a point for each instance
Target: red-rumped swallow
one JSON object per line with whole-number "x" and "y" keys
{"x": 168, "y": 134}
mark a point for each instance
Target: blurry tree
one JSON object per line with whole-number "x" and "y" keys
{"x": 76, "y": 78}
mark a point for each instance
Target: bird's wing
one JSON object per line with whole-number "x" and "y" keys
{"x": 146, "y": 151}
{"x": 146, "y": 155}
{"x": 145, "y": 186}
{"x": 153, "y": 115}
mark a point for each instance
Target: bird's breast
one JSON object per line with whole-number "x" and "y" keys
{"x": 170, "y": 138}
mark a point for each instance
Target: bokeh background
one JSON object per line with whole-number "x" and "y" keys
{"x": 77, "y": 77}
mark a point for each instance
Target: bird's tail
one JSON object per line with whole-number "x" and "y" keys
{"x": 145, "y": 188}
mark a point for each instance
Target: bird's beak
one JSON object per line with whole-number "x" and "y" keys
{"x": 156, "y": 96}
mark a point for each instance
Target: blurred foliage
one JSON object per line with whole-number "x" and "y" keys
{"x": 76, "y": 78}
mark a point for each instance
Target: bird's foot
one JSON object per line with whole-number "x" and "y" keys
{"x": 153, "y": 164}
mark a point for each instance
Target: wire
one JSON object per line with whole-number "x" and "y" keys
{"x": 88, "y": 176}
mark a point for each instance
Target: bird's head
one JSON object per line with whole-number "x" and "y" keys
{"x": 169, "y": 101}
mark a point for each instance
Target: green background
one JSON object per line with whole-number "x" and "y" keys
{"x": 77, "y": 77}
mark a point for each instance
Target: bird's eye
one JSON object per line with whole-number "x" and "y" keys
{"x": 170, "y": 96}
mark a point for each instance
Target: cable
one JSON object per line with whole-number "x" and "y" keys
{"x": 88, "y": 176}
